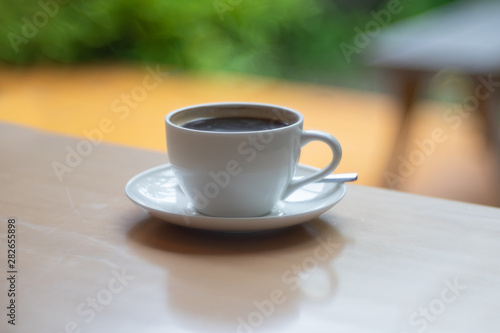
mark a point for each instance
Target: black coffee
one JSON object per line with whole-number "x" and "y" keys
{"x": 234, "y": 124}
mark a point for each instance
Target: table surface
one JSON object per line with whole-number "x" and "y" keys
{"x": 89, "y": 260}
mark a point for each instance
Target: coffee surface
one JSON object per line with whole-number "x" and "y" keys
{"x": 234, "y": 124}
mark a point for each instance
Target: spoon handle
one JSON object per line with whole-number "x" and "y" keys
{"x": 339, "y": 178}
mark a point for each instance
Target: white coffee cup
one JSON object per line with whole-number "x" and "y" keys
{"x": 243, "y": 173}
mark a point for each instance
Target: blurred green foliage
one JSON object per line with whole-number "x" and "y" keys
{"x": 294, "y": 39}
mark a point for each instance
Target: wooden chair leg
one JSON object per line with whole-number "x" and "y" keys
{"x": 407, "y": 89}
{"x": 488, "y": 110}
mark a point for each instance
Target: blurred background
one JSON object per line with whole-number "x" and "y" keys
{"x": 65, "y": 65}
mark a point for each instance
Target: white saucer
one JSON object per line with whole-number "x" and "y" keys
{"x": 156, "y": 190}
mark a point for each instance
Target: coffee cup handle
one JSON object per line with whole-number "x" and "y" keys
{"x": 333, "y": 143}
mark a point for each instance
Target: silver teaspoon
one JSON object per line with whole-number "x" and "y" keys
{"x": 339, "y": 178}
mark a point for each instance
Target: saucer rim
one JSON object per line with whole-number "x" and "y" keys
{"x": 294, "y": 218}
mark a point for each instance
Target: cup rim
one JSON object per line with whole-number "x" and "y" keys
{"x": 300, "y": 117}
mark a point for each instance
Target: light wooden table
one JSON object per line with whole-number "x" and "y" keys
{"x": 88, "y": 260}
